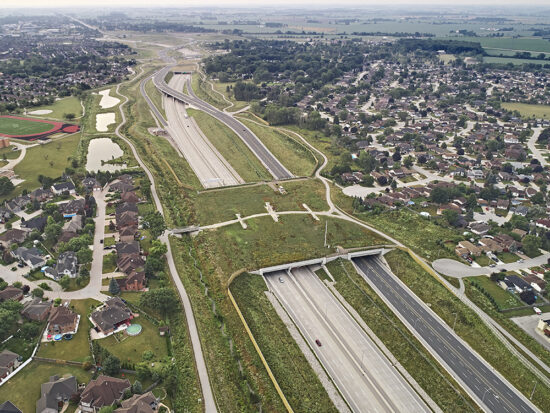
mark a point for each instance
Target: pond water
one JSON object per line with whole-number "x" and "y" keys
{"x": 107, "y": 101}
{"x": 102, "y": 150}
{"x": 103, "y": 120}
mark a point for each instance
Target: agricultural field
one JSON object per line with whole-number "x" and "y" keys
{"x": 521, "y": 44}
{"x": 514, "y": 61}
{"x": 527, "y": 110}
{"x": 14, "y": 126}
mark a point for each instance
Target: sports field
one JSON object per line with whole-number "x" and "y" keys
{"x": 18, "y": 127}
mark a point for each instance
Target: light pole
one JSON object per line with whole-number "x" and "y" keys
{"x": 454, "y": 324}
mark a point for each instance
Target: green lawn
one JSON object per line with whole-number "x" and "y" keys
{"x": 9, "y": 153}
{"x": 60, "y": 108}
{"x": 507, "y": 257}
{"x": 109, "y": 241}
{"x": 155, "y": 96}
{"x": 293, "y": 155}
{"x": 217, "y": 206}
{"x": 297, "y": 379}
{"x": 222, "y": 88}
{"x": 529, "y": 111}
{"x": 10, "y": 126}
{"x": 109, "y": 263}
{"x": 131, "y": 349}
{"x": 49, "y": 159}
{"x": 447, "y": 58}
{"x": 24, "y": 389}
{"x": 514, "y": 61}
{"x": 231, "y": 147}
{"x": 503, "y": 298}
{"x": 483, "y": 260}
{"x": 78, "y": 348}
{"x": 204, "y": 91}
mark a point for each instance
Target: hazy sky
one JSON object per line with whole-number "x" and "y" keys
{"x": 259, "y": 3}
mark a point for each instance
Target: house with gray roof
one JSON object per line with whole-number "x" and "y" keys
{"x": 113, "y": 314}
{"x": 67, "y": 264}
{"x": 55, "y": 393}
{"x": 30, "y": 256}
{"x": 9, "y": 407}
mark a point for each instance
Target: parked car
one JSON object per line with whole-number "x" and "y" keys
{"x": 537, "y": 310}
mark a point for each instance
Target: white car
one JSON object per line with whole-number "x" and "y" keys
{"x": 537, "y": 310}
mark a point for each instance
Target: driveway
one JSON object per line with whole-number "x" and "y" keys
{"x": 458, "y": 269}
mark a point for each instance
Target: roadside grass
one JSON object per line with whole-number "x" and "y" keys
{"x": 294, "y": 374}
{"x": 483, "y": 260}
{"x": 468, "y": 326}
{"x": 23, "y": 390}
{"x": 222, "y": 88}
{"x": 130, "y": 349}
{"x": 231, "y": 147}
{"x": 222, "y": 205}
{"x": 527, "y": 110}
{"x": 527, "y": 311}
{"x": 203, "y": 90}
{"x": 503, "y": 298}
{"x": 267, "y": 243}
{"x": 60, "y": 108}
{"x": 507, "y": 257}
{"x": 49, "y": 159}
{"x": 295, "y": 156}
{"x": 109, "y": 262}
{"x": 77, "y": 349}
{"x": 427, "y": 372}
{"x": 155, "y": 96}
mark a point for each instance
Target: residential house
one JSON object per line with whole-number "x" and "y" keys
{"x": 64, "y": 187}
{"x": 9, "y": 361}
{"x": 62, "y": 321}
{"x": 9, "y": 407}
{"x": 472, "y": 249}
{"x": 73, "y": 207}
{"x": 479, "y": 228}
{"x": 129, "y": 263}
{"x": 507, "y": 242}
{"x": 111, "y": 316}
{"x": 136, "y": 281}
{"x": 518, "y": 283}
{"x": 11, "y": 293}
{"x": 538, "y": 284}
{"x": 127, "y": 219}
{"x": 37, "y": 310}
{"x": 18, "y": 204}
{"x": 129, "y": 197}
{"x": 41, "y": 195}
{"x": 13, "y": 236}
{"x": 490, "y": 244}
{"x": 127, "y": 248}
{"x": 128, "y": 234}
{"x": 5, "y": 215}
{"x": 520, "y": 232}
{"x": 67, "y": 264}
{"x": 91, "y": 184}
{"x": 30, "y": 256}
{"x": 104, "y": 391}
{"x": 75, "y": 224}
{"x": 543, "y": 223}
{"x": 139, "y": 403}
{"x": 36, "y": 223}
{"x": 55, "y": 393}
{"x": 122, "y": 187}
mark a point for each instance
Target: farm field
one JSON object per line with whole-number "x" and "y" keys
{"x": 529, "y": 111}
{"x": 527, "y": 44}
{"x": 13, "y": 126}
{"x": 514, "y": 61}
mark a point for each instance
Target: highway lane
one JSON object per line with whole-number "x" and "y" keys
{"x": 152, "y": 106}
{"x": 360, "y": 371}
{"x": 493, "y": 392}
{"x": 208, "y": 164}
{"x": 276, "y": 168}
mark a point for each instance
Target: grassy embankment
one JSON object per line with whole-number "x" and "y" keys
{"x": 204, "y": 91}
{"x": 296, "y": 157}
{"x": 468, "y": 326}
{"x": 297, "y": 379}
{"x": 231, "y": 147}
{"x": 437, "y": 383}
{"x": 222, "y": 88}
{"x": 155, "y": 96}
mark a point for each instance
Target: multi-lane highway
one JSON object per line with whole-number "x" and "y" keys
{"x": 152, "y": 106}
{"x": 276, "y": 168}
{"x": 209, "y": 165}
{"x": 361, "y": 372}
{"x": 490, "y": 390}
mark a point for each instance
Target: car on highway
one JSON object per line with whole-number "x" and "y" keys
{"x": 492, "y": 265}
{"x": 318, "y": 342}
{"x": 281, "y": 280}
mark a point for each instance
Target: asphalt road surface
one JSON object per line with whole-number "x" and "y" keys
{"x": 152, "y": 106}
{"x": 490, "y": 390}
{"x": 276, "y": 168}
{"x": 361, "y": 372}
{"x": 206, "y": 161}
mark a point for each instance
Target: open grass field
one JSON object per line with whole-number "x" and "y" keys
{"x": 24, "y": 389}
{"x": 155, "y": 96}
{"x": 529, "y": 111}
{"x": 231, "y": 147}
{"x": 222, "y": 88}
{"x": 78, "y": 348}
{"x": 60, "y": 108}
{"x": 9, "y": 153}
{"x": 130, "y": 349}
{"x": 468, "y": 326}
{"x": 203, "y": 90}
{"x": 514, "y": 61}
{"x": 447, "y": 58}
{"x": 49, "y": 159}
{"x": 297, "y": 379}
{"x": 395, "y": 336}
{"x": 503, "y": 298}
{"x": 293, "y": 155}
{"x": 528, "y": 44}
{"x": 12, "y": 126}
{"x": 218, "y": 206}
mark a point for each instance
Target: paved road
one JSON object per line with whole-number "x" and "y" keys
{"x": 453, "y": 268}
{"x": 361, "y": 372}
{"x": 272, "y": 164}
{"x": 537, "y": 154}
{"x": 152, "y": 106}
{"x": 207, "y": 162}
{"x": 490, "y": 390}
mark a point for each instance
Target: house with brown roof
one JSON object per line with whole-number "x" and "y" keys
{"x": 11, "y": 293}
{"x": 472, "y": 249}
{"x": 13, "y": 236}
{"x": 62, "y": 321}
{"x": 104, "y": 391}
{"x": 37, "y": 310}
{"x": 129, "y": 197}
{"x": 136, "y": 281}
{"x": 507, "y": 242}
{"x": 139, "y": 403}
{"x": 112, "y": 315}
{"x": 129, "y": 263}
{"x": 128, "y": 234}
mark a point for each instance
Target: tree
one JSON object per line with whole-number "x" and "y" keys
{"x": 396, "y": 156}
{"x": 382, "y": 180}
{"x": 451, "y": 217}
{"x": 111, "y": 365}
{"x": 69, "y": 116}
{"x": 531, "y": 245}
{"x": 158, "y": 249}
{"x": 154, "y": 221}
{"x": 84, "y": 256}
{"x": 137, "y": 388}
{"x": 408, "y": 161}
{"x": 38, "y": 292}
{"x": 6, "y": 186}
{"x": 52, "y": 229}
{"x": 163, "y": 300}
{"x": 439, "y": 195}
{"x": 114, "y": 287}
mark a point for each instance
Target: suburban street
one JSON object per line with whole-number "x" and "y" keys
{"x": 366, "y": 379}
{"x": 273, "y": 165}
{"x": 453, "y": 268}
{"x": 207, "y": 162}
{"x": 488, "y": 388}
